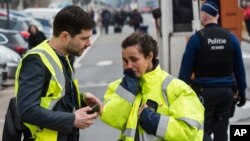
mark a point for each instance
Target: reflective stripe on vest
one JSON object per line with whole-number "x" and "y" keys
{"x": 192, "y": 122}
{"x": 164, "y": 85}
{"x": 164, "y": 121}
{"x": 125, "y": 94}
{"x": 59, "y": 75}
{"x": 128, "y": 132}
{"x": 148, "y": 137}
{"x": 162, "y": 126}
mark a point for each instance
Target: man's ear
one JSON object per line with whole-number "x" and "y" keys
{"x": 64, "y": 36}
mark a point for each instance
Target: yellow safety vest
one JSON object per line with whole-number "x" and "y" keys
{"x": 182, "y": 114}
{"x": 56, "y": 87}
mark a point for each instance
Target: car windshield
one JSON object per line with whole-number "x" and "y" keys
{"x": 13, "y": 24}
{"x": 44, "y": 22}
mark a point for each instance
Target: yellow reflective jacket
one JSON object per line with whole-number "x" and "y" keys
{"x": 182, "y": 114}
{"x": 56, "y": 88}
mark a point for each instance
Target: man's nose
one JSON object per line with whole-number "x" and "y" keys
{"x": 88, "y": 43}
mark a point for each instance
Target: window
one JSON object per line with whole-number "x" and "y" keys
{"x": 182, "y": 15}
{"x": 3, "y": 39}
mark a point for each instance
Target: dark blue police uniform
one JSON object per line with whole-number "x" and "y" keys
{"x": 213, "y": 54}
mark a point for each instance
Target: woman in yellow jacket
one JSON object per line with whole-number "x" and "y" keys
{"x": 148, "y": 104}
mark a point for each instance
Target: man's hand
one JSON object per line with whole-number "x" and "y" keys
{"x": 91, "y": 100}
{"x": 130, "y": 82}
{"x": 82, "y": 119}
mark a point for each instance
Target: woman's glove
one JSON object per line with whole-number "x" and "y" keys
{"x": 149, "y": 120}
{"x": 130, "y": 82}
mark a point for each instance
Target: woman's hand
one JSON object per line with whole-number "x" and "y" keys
{"x": 91, "y": 100}
{"x": 141, "y": 109}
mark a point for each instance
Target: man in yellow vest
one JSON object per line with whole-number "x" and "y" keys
{"x": 148, "y": 104}
{"x": 48, "y": 99}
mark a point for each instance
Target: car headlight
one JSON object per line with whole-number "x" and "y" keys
{"x": 14, "y": 59}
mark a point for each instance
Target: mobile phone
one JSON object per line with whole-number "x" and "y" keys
{"x": 94, "y": 109}
{"x": 152, "y": 105}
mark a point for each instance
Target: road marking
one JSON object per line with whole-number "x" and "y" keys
{"x": 77, "y": 63}
{"x": 104, "y": 63}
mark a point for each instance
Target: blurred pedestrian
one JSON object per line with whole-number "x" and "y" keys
{"x": 92, "y": 13}
{"x": 118, "y": 20}
{"x": 213, "y": 55}
{"x": 135, "y": 20}
{"x": 36, "y": 36}
{"x": 106, "y": 18}
{"x": 148, "y": 103}
{"x": 48, "y": 99}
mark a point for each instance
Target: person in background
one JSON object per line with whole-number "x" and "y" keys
{"x": 119, "y": 19}
{"x": 136, "y": 20}
{"x": 213, "y": 56}
{"x": 106, "y": 18}
{"x": 36, "y": 36}
{"x": 148, "y": 103}
{"x": 48, "y": 98}
{"x": 93, "y": 15}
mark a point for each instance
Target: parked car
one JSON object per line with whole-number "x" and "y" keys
{"x": 59, "y": 4}
{"x": 18, "y": 24}
{"x": 9, "y": 61}
{"x": 13, "y": 40}
{"x": 47, "y": 27}
{"x": 43, "y": 13}
{"x": 18, "y": 14}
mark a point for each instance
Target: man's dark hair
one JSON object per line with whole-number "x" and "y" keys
{"x": 72, "y": 19}
{"x": 146, "y": 42}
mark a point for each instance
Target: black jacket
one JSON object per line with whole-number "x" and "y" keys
{"x": 35, "y": 39}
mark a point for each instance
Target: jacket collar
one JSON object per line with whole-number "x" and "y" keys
{"x": 212, "y": 25}
{"x": 151, "y": 78}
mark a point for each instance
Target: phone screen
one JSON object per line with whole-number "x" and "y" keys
{"x": 94, "y": 109}
{"x": 152, "y": 105}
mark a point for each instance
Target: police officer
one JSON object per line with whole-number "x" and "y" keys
{"x": 214, "y": 56}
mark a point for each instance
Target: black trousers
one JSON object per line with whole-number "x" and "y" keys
{"x": 218, "y": 103}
